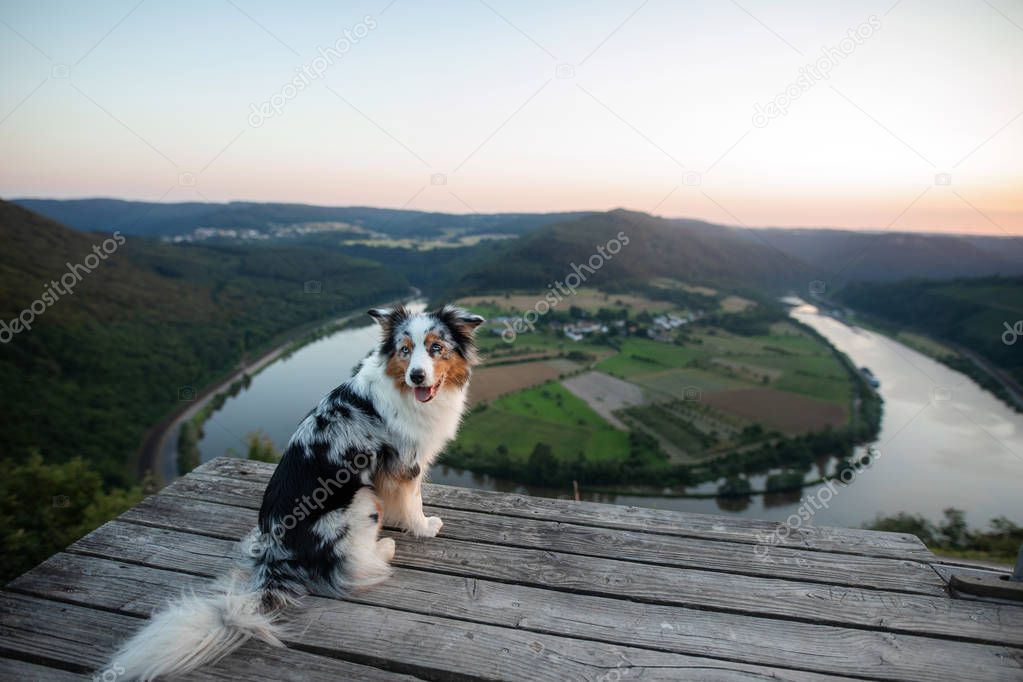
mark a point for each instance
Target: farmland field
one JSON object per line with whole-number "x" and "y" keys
{"x": 584, "y": 298}
{"x": 548, "y": 414}
{"x": 684, "y": 383}
{"x": 698, "y": 393}
{"x": 787, "y": 412}
{"x": 492, "y": 382}
{"x": 642, "y": 356}
{"x": 605, "y": 394}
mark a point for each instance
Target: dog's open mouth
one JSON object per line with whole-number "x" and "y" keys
{"x": 425, "y": 394}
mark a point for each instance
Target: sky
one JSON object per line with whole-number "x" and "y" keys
{"x": 893, "y": 115}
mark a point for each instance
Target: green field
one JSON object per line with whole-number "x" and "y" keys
{"x": 709, "y": 392}
{"x": 801, "y": 363}
{"x": 544, "y": 414}
{"x": 637, "y": 357}
{"x": 668, "y": 424}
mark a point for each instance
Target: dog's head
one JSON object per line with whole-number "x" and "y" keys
{"x": 430, "y": 351}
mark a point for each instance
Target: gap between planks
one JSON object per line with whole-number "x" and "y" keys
{"x": 640, "y": 519}
{"x": 113, "y": 585}
{"x": 850, "y": 570}
{"x": 762, "y": 597}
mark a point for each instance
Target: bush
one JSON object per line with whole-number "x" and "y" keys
{"x": 952, "y": 535}
{"x": 786, "y": 480}
{"x": 45, "y": 507}
{"x": 261, "y": 448}
{"x": 735, "y": 486}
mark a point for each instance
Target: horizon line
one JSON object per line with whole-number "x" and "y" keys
{"x": 860, "y": 230}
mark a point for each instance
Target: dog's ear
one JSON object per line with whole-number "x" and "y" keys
{"x": 462, "y": 318}
{"x": 381, "y": 315}
{"x": 471, "y": 320}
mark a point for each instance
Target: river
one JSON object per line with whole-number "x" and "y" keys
{"x": 944, "y": 441}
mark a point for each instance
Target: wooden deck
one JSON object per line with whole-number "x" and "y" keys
{"x": 522, "y": 588}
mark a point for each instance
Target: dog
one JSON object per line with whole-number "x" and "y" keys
{"x": 356, "y": 461}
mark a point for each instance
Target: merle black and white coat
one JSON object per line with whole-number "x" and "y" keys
{"x": 356, "y": 461}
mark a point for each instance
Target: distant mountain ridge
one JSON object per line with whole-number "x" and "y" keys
{"x": 163, "y": 220}
{"x": 652, "y": 247}
{"x": 843, "y": 256}
{"x": 778, "y": 256}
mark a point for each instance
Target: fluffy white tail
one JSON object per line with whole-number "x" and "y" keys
{"x": 197, "y": 630}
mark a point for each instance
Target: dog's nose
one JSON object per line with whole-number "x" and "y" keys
{"x": 417, "y": 376}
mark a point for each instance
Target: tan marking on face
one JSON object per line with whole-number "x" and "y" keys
{"x": 448, "y": 365}
{"x": 453, "y": 368}
{"x": 396, "y": 365}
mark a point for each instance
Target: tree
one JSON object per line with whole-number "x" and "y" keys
{"x": 953, "y": 529}
{"x": 189, "y": 456}
{"x": 45, "y": 507}
{"x": 543, "y": 465}
{"x": 261, "y": 448}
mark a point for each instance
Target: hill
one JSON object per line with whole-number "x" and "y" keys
{"x": 834, "y": 256}
{"x": 838, "y": 256}
{"x": 160, "y": 219}
{"x": 975, "y": 316}
{"x": 655, "y": 247}
{"x": 113, "y": 340}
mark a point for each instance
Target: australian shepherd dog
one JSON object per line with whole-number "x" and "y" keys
{"x": 357, "y": 461}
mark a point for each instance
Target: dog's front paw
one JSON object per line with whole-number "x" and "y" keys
{"x": 430, "y": 527}
{"x": 385, "y": 548}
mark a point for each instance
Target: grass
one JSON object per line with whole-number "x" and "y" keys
{"x": 677, "y": 431}
{"x": 805, "y": 364}
{"x": 679, "y": 383}
{"x": 637, "y": 357}
{"x": 544, "y": 414}
{"x": 586, "y": 298}
{"x": 786, "y": 358}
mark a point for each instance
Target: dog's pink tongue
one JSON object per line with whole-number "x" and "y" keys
{"x": 423, "y": 394}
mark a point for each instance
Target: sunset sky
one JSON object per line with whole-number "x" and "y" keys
{"x": 527, "y": 106}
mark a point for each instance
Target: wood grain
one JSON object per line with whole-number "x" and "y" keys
{"x": 521, "y": 588}
{"x": 429, "y": 647}
{"x": 668, "y": 550}
{"x": 774, "y": 598}
{"x": 83, "y": 639}
{"x": 138, "y": 590}
{"x": 732, "y": 529}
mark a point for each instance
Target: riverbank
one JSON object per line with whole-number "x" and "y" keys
{"x": 952, "y": 355}
{"x": 962, "y": 448}
{"x": 160, "y": 446}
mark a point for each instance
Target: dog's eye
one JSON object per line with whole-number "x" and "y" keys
{"x": 404, "y": 350}
{"x": 436, "y": 348}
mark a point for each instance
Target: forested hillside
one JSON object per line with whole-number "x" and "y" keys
{"x": 651, "y": 247}
{"x": 983, "y": 315}
{"x": 101, "y": 364}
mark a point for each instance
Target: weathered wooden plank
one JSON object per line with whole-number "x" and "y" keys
{"x": 21, "y": 671}
{"x": 137, "y": 590}
{"x": 783, "y": 599}
{"x": 669, "y": 550}
{"x": 430, "y": 647}
{"x": 752, "y": 531}
{"x": 83, "y": 639}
